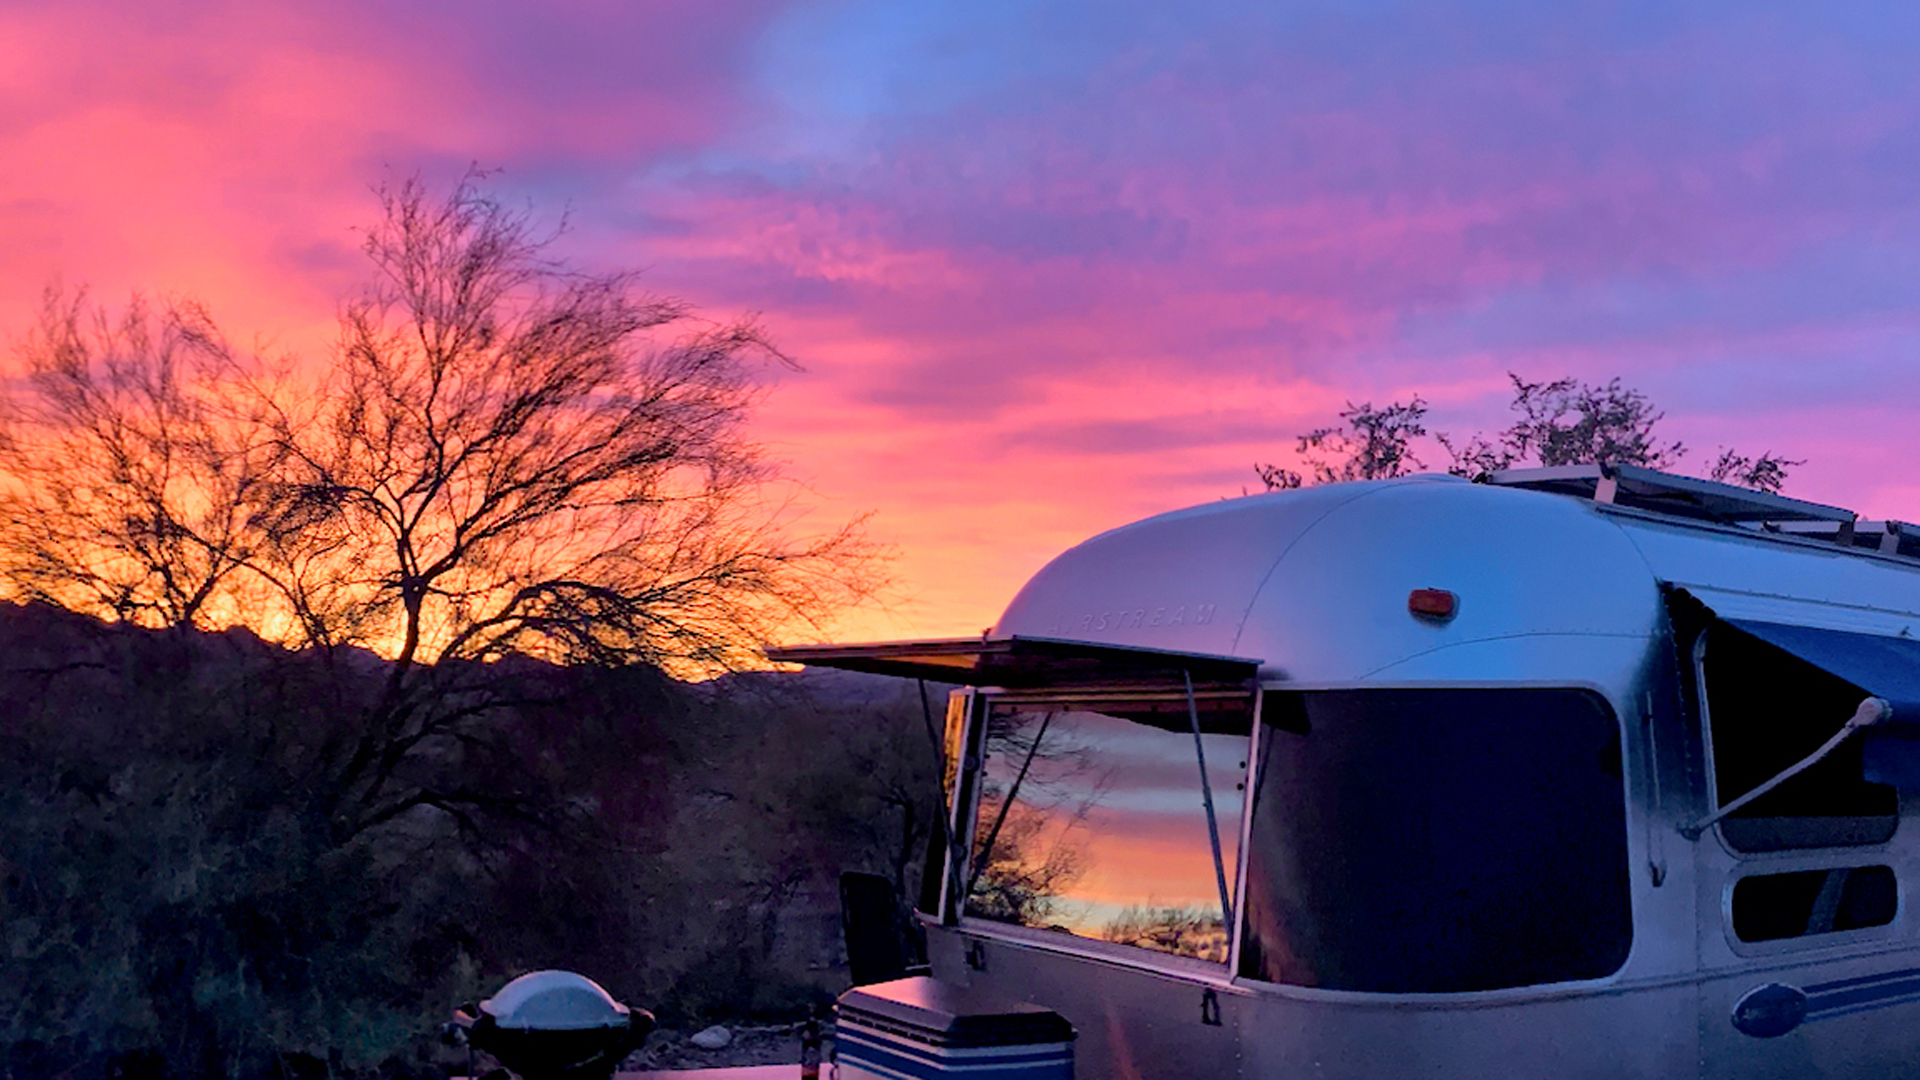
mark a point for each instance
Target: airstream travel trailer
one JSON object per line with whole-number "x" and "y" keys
{"x": 1580, "y": 772}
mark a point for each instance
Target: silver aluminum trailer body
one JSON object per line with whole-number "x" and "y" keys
{"x": 1561, "y": 603}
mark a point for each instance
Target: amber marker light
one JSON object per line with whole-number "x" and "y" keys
{"x": 1437, "y": 604}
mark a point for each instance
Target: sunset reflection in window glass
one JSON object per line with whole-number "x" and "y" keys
{"x": 1091, "y": 820}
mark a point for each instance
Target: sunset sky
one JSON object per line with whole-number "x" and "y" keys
{"x": 1054, "y": 266}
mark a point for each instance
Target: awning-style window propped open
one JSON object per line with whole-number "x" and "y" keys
{"x": 1022, "y": 662}
{"x": 1886, "y": 667}
{"x": 1879, "y": 658}
{"x": 1776, "y": 706}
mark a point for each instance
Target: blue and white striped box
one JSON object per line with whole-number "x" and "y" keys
{"x": 918, "y": 1028}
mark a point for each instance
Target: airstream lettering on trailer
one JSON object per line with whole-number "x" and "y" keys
{"x": 1582, "y": 772}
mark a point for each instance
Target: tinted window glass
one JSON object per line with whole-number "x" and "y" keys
{"x": 1437, "y": 840}
{"x": 1091, "y": 822}
{"x": 1768, "y": 709}
{"x": 1768, "y": 907}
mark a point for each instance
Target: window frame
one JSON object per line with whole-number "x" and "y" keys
{"x": 1814, "y": 859}
{"x": 1745, "y": 864}
{"x": 1848, "y": 854}
{"x": 1635, "y": 822}
{"x": 1133, "y": 956}
{"x": 957, "y": 779}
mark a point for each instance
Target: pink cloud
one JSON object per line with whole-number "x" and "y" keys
{"x": 1099, "y": 280}
{"x": 227, "y": 149}
{"x": 1102, "y": 305}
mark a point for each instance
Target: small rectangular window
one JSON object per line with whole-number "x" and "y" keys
{"x": 1766, "y": 710}
{"x": 1770, "y": 907}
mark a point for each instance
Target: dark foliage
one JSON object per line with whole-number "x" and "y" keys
{"x": 1563, "y": 422}
{"x": 1367, "y": 444}
{"x": 375, "y": 715}
{"x": 1768, "y": 472}
{"x": 1568, "y": 422}
{"x": 174, "y": 904}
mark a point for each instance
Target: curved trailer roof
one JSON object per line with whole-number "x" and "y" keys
{"x": 1548, "y": 568}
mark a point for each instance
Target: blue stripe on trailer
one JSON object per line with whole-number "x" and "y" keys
{"x": 1844, "y": 996}
{"x": 906, "y": 1061}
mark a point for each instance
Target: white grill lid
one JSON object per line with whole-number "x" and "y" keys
{"x": 554, "y": 1001}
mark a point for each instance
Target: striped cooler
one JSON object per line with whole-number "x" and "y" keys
{"x": 920, "y": 1027}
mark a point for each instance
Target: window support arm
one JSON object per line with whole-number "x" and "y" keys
{"x": 1871, "y": 711}
{"x": 1206, "y": 796}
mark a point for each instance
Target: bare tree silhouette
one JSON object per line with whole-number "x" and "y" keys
{"x": 504, "y": 457}
{"x": 133, "y": 458}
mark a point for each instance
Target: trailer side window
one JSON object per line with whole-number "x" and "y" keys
{"x": 1091, "y": 821}
{"x": 1767, "y": 709}
{"x": 1770, "y": 907}
{"x": 1434, "y": 841}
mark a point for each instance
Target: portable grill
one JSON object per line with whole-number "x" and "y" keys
{"x": 552, "y": 1025}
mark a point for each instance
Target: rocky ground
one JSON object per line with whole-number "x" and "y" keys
{"x": 746, "y": 1044}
